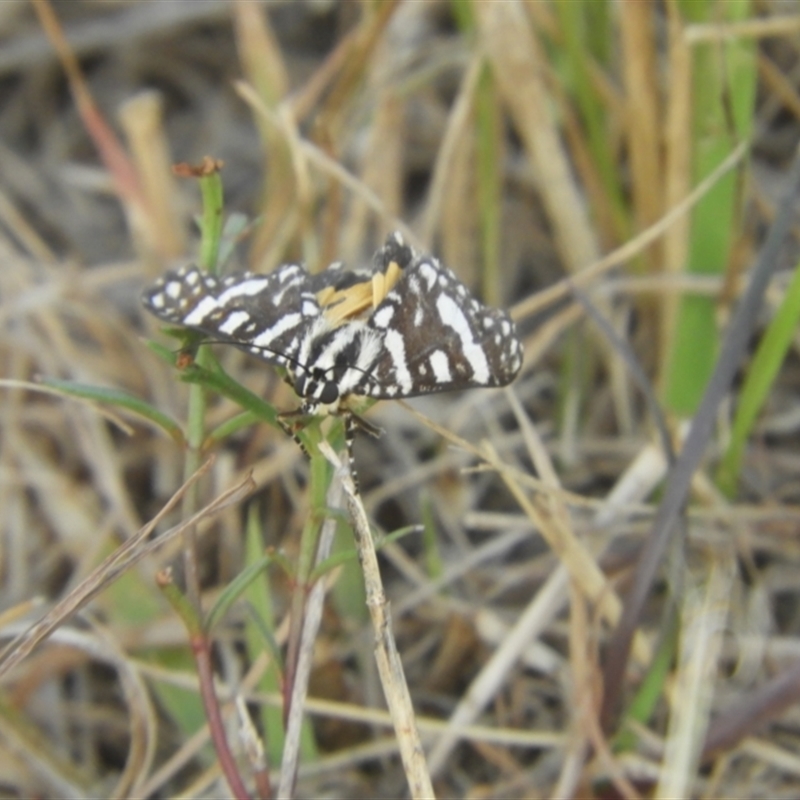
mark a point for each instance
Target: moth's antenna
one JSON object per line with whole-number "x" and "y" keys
{"x": 249, "y": 348}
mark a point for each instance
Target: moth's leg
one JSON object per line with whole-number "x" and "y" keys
{"x": 350, "y": 424}
{"x": 291, "y": 430}
{"x": 364, "y": 425}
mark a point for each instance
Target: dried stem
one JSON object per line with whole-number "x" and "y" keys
{"x": 390, "y": 668}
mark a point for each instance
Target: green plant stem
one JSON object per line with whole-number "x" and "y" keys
{"x": 194, "y": 440}
{"x": 489, "y": 159}
{"x": 759, "y": 380}
{"x": 212, "y": 222}
{"x": 319, "y": 476}
{"x": 651, "y": 690}
{"x": 210, "y": 232}
{"x": 259, "y": 633}
{"x": 723, "y": 92}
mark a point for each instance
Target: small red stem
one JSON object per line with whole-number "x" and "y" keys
{"x": 202, "y": 654}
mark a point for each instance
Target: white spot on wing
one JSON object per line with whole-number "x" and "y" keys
{"x": 428, "y": 273}
{"x": 202, "y": 310}
{"x": 246, "y": 288}
{"x": 383, "y": 317}
{"x": 234, "y": 320}
{"x": 174, "y": 289}
{"x": 285, "y": 323}
{"x": 454, "y": 317}
{"x": 440, "y": 365}
{"x": 277, "y": 297}
{"x": 394, "y": 343}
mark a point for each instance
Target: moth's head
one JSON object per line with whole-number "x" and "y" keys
{"x": 315, "y": 385}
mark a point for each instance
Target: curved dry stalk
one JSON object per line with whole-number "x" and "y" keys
{"x": 390, "y": 668}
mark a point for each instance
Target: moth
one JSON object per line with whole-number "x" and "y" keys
{"x": 402, "y": 328}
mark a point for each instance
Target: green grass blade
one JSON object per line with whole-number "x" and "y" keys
{"x": 489, "y": 174}
{"x": 759, "y": 380}
{"x": 231, "y": 426}
{"x": 724, "y": 82}
{"x": 118, "y": 399}
{"x": 580, "y": 23}
{"x": 231, "y": 593}
{"x": 260, "y": 633}
{"x": 214, "y": 378}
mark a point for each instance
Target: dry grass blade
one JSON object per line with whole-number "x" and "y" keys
{"x": 142, "y": 119}
{"x": 390, "y": 668}
{"x": 642, "y": 111}
{"x": 111, "y": 150}
{"x": 528, "y": 627}
{"x": 553, "y": 524}
{"x": 705, "y": 612}
{"x": 448, "y": 151}
{"x": 677, "y": 170}
{"x": 593, "y": 272}
{"x": 56, "y": 772}
{"x": 305, "y": 151}
{"x": 119, "y": 561}
{"x": 515, "y": 57}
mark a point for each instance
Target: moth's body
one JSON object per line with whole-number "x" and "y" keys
{"x": 405, "y": 328}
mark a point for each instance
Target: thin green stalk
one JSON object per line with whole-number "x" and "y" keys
{"x": 651, "y": 690}
{"x": 723, "y": 85}
{"x": 211, "y": 230}
{"x": 580, "y": 23}
{"x": 759, "y": 380}
{"x": 212, "y": 222}
{"x": 260, "y": 623}
{"x": 489, "y": 169}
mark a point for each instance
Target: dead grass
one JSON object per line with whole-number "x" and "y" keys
{"x": 336, "y": 123}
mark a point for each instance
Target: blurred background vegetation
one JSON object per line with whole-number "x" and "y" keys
{"x": 571, "y": 161}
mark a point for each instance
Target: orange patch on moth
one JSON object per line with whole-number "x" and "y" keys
{"x": 355, "y": 300}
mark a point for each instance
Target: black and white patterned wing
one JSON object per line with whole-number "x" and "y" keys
{"x": 340, "y": 279}
{"x": 436, "y": 337}
{"x": 267, "y": 315}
